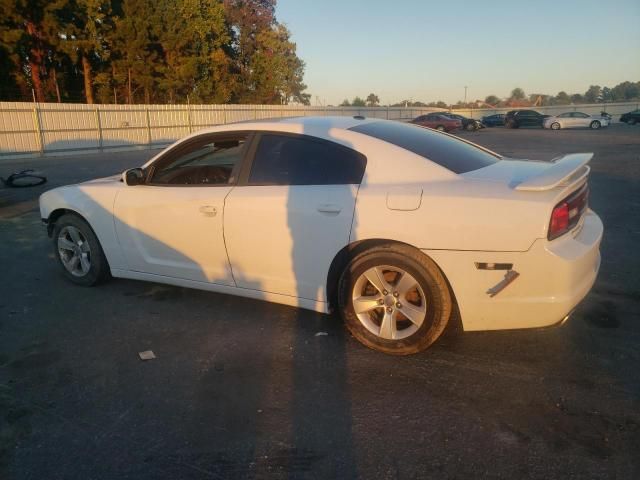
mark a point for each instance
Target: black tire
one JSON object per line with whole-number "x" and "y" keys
{"x": 440, "y": 128}
{"x": 511, "y": 124}
{"x": 555, "y": 126}
{"x": 595, "y": 125}
{"x": 631, "y": 121}
{"x": 99, "y": 268}
{"x": 471, "y": 127}
{"x": 438, "y": 301}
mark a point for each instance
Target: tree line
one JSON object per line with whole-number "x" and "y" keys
{"x": 148, "y": 51}
{"x": 622, "y": 92}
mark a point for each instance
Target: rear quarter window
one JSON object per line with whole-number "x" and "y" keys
{"x": 447, "y": 151}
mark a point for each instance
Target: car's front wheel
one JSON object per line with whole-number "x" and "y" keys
{"x": 78, "y": 251}
{"x": 394, "y": 299}
{"x": 555, "y": 126}
{"x": 471, "y": 127}
{"x": 595, "y": 125}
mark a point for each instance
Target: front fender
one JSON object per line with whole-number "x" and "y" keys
{"x": 94, "y": 203}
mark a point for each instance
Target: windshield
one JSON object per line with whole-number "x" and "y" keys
{"x": 447, "y": 151}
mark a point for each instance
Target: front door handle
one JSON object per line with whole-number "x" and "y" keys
{"x": 208, "y": 210}
{"x": 329, "y": 208}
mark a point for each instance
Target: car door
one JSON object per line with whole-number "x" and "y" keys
{"x": 172, "y": 224}
{"x": 529, "y": 118}
{"x": 566, "y": 120}
{"x": 291, "y": 213}
{"x": 429, "y": 121}
{"x": 580, "y": 119}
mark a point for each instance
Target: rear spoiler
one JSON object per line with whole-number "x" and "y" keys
{"x": 572, "y": 167}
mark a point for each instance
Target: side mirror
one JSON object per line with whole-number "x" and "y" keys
{"x": 133, "y": 176}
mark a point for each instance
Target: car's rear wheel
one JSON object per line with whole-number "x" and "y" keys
{"x": 394, "y": 299}
{"x": 631, "y": 121}
{"x": 555, "y": 126}
{"x": 440, "y": 128}
{"x": 471, "y": 127}
{"x": 510, "y": 124}
{"x": 78, "y": 251}
{"x": 595, "y": 125}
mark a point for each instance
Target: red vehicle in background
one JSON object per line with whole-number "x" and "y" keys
{"x": 438, "y": 121}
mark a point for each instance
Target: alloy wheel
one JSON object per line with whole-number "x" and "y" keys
{"x": 389, "y": 302}
{"x": 74, "y": 251}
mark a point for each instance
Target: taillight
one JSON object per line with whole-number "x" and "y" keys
{"x": 567, "y": 213}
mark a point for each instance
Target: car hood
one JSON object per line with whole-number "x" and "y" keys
{"x": 110, "y": 179}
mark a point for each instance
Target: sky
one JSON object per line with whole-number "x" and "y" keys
{"x": 430, "y": 50}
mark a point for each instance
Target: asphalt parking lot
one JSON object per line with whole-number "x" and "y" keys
{"x": 245, "y": 389}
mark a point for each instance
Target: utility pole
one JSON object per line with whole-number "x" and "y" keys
{"x": 465, "y": 95}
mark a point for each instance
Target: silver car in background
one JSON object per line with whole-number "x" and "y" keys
{"x": 575, "y": 120}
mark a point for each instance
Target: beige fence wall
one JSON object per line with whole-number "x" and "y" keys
{"x": 28, "y": 129}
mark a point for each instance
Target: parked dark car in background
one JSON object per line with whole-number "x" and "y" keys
{"x": 438, "y": 121}
{"x": 631, "y": 117}
{"x": 496, "y": 120}
{"x": 524, "y": 118}
{"x": 469, "y": 124}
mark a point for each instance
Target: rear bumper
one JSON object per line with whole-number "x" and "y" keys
{"x": 554, "y": 277}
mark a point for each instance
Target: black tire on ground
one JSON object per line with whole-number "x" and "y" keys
{"x": 555, "y": 126}
{"x": 631, "y": 121}
{"x": 471, "y": 127}
{"x": 511, "y": 124}
{"x": 595, "y": 125}
{"x": 99, "y": 268}
{"x": 438, "y": 301}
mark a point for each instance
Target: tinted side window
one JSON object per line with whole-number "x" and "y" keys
{"x": 300, "y": 160}
{"x": 204, "y": 161}
{"x": 447, "y": 151}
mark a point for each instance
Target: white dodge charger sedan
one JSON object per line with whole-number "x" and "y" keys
{"x": 575, "y": 120}
{"x": 396, "y": 226}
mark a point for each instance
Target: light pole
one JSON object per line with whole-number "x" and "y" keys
{"x": 465, "y": 95}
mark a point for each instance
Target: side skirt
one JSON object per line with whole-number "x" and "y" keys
{"x": 316, "y": 306}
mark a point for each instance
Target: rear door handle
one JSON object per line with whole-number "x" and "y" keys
{"x": 208, "y": 210}
{"x": 329, "y": 208}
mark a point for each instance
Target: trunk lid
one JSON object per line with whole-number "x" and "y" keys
{"x": 558, "y": 187}
{"x": 536, "y": 176}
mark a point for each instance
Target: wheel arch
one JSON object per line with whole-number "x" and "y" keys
{"x": 350, "y": 251}
{"x": 59, "y": 212}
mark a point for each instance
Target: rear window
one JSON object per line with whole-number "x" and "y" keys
{"x": 448, "y": 152}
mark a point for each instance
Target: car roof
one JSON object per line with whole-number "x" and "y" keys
{"x": 293, "y": 124}
{"x": 320, "y": 127}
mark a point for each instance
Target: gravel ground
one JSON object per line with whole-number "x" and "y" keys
{"x": 244, "y": 389}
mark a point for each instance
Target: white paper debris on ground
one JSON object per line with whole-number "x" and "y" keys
{"x": 147, "y": 355}
{"x": 321, "y": 334}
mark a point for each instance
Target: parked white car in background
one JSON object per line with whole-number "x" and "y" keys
{"x": 575, "y": 120}
{"x": 397, "y": 226}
